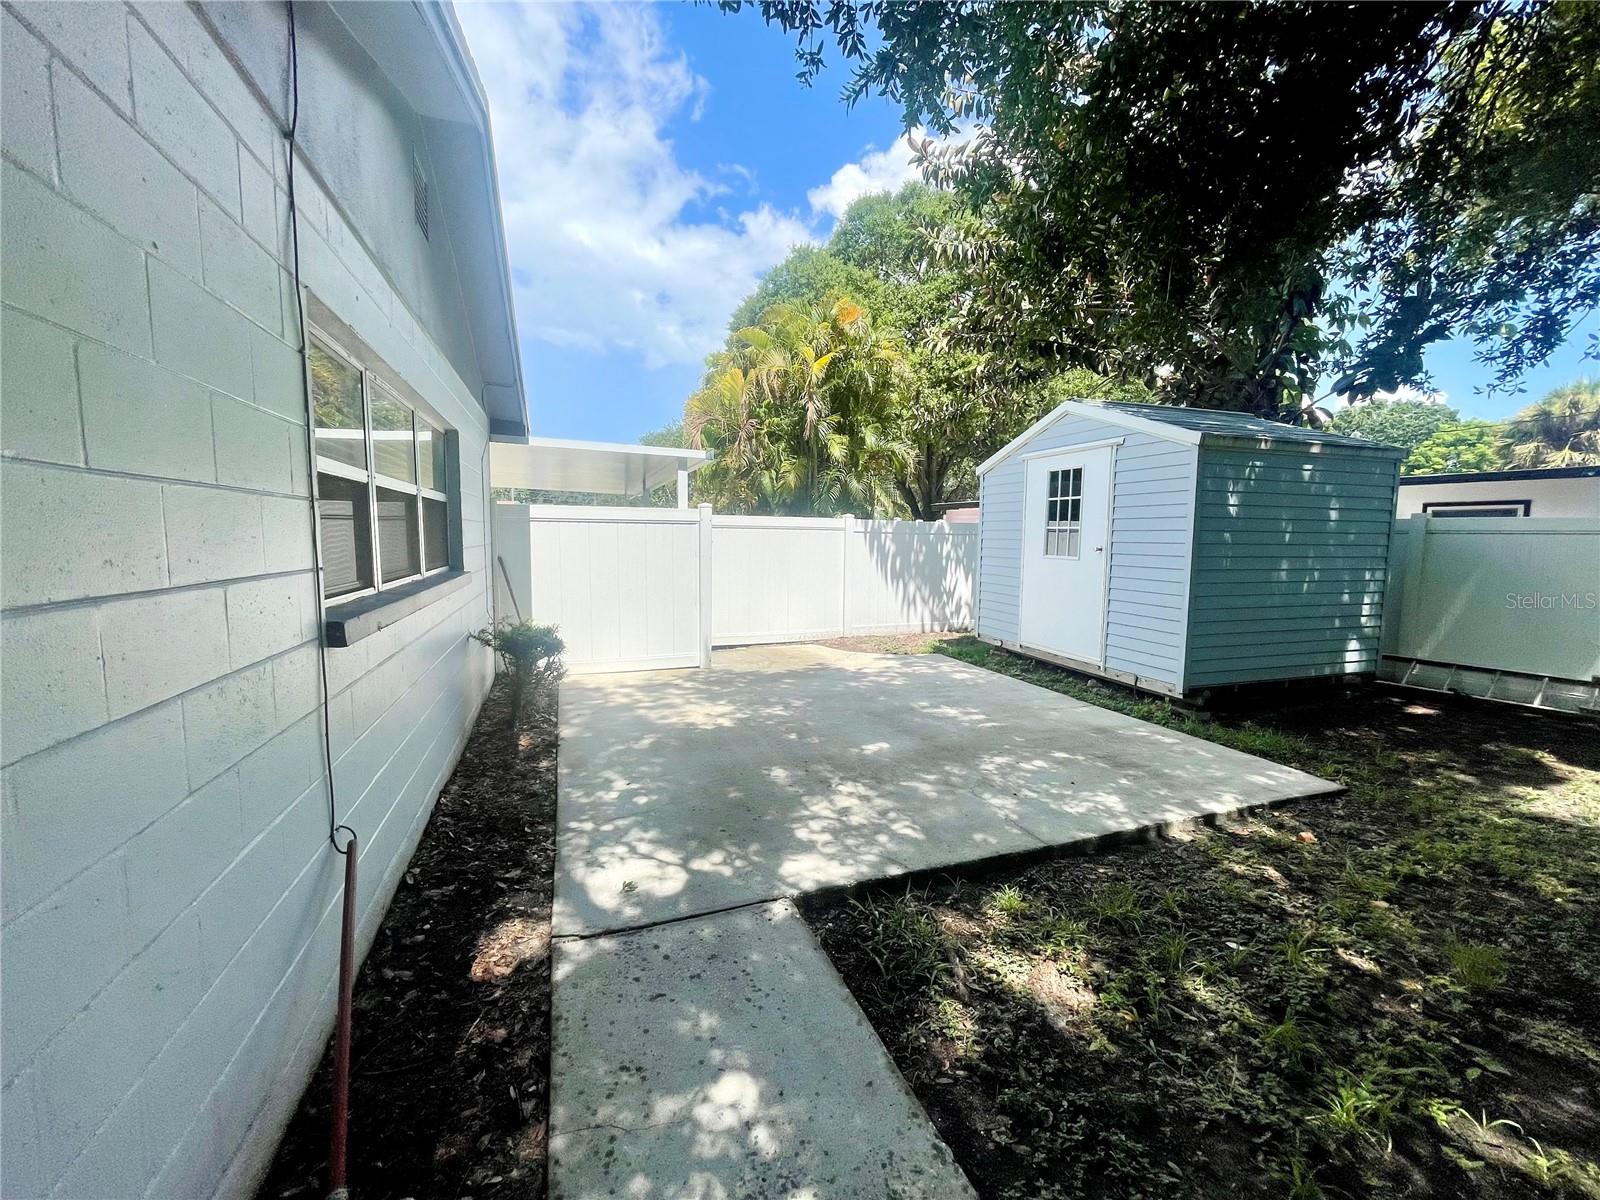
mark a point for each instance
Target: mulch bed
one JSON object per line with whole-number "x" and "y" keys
{"x": 449, "y": 1087}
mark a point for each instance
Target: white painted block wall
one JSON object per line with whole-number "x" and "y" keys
{"x": 170, "y": 933}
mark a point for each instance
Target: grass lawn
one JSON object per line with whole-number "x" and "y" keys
{"x": 1391, "y": 993}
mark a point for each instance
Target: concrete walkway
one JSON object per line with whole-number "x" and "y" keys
{"x": 723, "y": 1057}
{"x": 703, "y": 1045}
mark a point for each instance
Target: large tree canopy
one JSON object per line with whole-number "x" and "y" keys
{"x": 1234, "y": 201}
{"x": 947, "y": 405}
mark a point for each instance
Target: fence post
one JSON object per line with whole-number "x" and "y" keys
{"x": 705, "y": 585}
{"x": 844, "y": 574}
{"x": 1411, "y": 587}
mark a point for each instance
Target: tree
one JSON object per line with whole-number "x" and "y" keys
{"x": 795, "y": 410}
{"x": 1403, "y": 423}
{"x": 1250, "y": 197}
{"x": 1560, "y": 430}
{"x": 950, "y": 406}
{"x": 1472, "y": 445}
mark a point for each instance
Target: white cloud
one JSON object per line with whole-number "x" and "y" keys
{"x": 593, "y": 194}
{"x": 876, "y": 171}
{"x": 605, "y": 251}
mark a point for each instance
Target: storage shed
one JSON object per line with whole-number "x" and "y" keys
{"x": 1180, "y": 550}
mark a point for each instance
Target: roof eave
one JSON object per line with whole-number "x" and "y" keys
{"x": 1094, "y": 412}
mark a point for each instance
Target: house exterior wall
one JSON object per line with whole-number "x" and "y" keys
{"x": 170, "y": 917}
{"x": 1568, "y": 497}
{"x": 1291, "y": 548}
{"x": 1152, "y": 505}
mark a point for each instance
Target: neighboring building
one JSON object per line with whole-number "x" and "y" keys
{"x": 1555, "y": 492}
{"x": 1180, "y": 550}
{"x": 959, "y": 512}
{"x": 171, "y": 923}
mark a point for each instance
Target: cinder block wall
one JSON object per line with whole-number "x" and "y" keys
{"x": 170, "y": 932}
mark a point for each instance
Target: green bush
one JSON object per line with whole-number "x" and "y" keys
{"x": 531, "y": 654}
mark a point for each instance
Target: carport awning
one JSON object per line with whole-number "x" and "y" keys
{"x": 607, "y": 468}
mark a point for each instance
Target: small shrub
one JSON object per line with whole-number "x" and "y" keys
{"x": 532, "y": 655}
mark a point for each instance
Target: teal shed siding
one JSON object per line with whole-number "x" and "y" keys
{"x": 1152, "y": 509}
{"x": 1290, "y": 564}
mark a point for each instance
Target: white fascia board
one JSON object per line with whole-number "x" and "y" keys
{"x": 1094, "y": 412}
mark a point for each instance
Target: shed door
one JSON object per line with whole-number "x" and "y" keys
{"x": 1066, "y": 528}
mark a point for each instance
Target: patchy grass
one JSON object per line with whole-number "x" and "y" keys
{"x": 1391, "y": 993}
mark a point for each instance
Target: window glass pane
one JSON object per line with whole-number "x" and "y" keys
{"x": 336, "y": 396}
{"x": 1055, "y": 483}
{"x": 392, "y": 439}
{"x": 1072, "y": 544}
{"x": 430, "y": 456}
{"x": 435, "y": 534}
{"x": 345, "y": 524}
{"x": 397, "y": 535}
{"x": 1073, "y": 509}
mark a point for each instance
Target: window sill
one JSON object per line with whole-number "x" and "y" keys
{"x": 350, "y": 621}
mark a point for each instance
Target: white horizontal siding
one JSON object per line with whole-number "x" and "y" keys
{"x": 1152, "y": 495}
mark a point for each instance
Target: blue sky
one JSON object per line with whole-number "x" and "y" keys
{"x": 654, "y": 161}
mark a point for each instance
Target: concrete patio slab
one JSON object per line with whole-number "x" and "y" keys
{"x": 722, "y": 1058}
{"x": 785, "y": 769}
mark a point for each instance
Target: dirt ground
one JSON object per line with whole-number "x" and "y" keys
{"x": 1386, "y": 994}
{"x": 449, "y": 1086}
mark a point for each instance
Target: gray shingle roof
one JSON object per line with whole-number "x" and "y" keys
{"x": 1233, "y": 424}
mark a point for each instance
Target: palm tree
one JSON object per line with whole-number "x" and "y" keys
{"x": 796, "y": 409}
{"x": 1560, "y": 430}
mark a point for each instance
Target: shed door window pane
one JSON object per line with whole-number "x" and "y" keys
{"x": 345, "y": 524}
{"x": 397, "y": 535}
{"x": 435, "y": 534}
{"x": 393, "y": 442}
{"x": 430, "y": 456}
{"x": 1063, "y": 528}
{"x": 336, "y": 396}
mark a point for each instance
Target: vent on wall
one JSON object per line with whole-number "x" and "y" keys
{"x": 419, "y": 194}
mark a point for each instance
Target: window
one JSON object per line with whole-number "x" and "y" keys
{"x": 1063, "y": 526}
{"x": 1478, "y": 508}
{"x": 383, "y": 515}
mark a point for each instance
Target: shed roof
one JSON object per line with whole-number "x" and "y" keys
{"x": 1193, "y": 426}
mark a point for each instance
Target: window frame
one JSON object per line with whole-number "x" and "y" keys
{"x": 1477, "y": 508}
{"x": 373, "y": 479}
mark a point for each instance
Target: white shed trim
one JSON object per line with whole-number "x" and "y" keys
{"x": 1101, "y": 444}
{"x": 1094, "y": 412}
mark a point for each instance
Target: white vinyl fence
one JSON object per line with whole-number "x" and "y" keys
{"x": 638, "y": 588}
{"x": 1506, "y": 607}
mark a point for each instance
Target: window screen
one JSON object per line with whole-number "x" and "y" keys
{"x": 397, "y": 535}
{"x": 435, "y": 534}
{"x": 336, "y": 392}
{"x": 430, "y": 456}
{"x": 393, "y": 442}
{"x": 345, "y": 525}
{"x": 1063, "y": 529}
